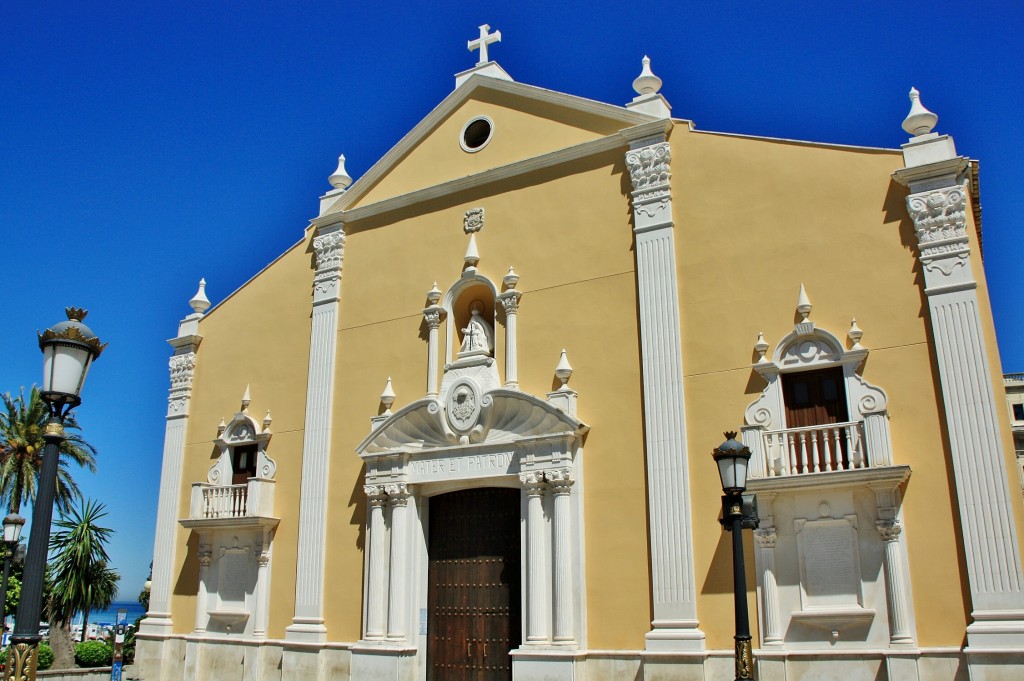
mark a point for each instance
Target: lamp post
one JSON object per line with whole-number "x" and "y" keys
{"x": 732, "y": 458}
{"x": 68, "y": 350}
{"x": 12, "y": 535}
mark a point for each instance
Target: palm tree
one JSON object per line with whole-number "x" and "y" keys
{"x": 79, "y": 565}
{"x": 22, "y": 422}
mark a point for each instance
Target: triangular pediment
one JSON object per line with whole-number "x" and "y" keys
{"x": 526, "y": 122}
{"x": 507, "y": 416}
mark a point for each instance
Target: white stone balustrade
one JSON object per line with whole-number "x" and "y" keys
{"x": 213, "y": 502}
{"x": 812, "y": 449}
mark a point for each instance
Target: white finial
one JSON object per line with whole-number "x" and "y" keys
{"x": 245, "y": 398}
{"x": 340, "y": 179}
{"x": 803, "y": 303}
{"x": 267, "y": 420}
{"x": 761, "y": 347}
{"x": 563, "y": 370}
{"x": 510, "y": 279}
{"x": 920, "y": 120}
{"x": 855, "y": 334}
{"x": 434, "y": 294}
{"x": 482, "y": 42}
{"x": 387, "y": 398}
{"x": 472, "y": 254}
{"x": 200, "y": 303}
{"x": 646, "y": 83}
{"x": 221, "y": 427}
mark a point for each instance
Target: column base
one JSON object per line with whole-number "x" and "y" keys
{"x": 156, "y": 624}
{"x": 996, "y": 629}
{"x": 384, "y": 662}
{"x": 306, "y": 631}
{"x": 675, "y": 635}
{"x": 547, "y": 665}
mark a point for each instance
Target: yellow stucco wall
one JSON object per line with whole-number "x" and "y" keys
{"x": 755, "y": 218}
{"x": 579, "y": 293}
{"x": 523, "y": 128}
{"x": 258, "y": 337}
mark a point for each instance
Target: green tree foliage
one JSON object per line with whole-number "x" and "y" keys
{"x": 79, "y": 564}
{"x": 22, "y": 421}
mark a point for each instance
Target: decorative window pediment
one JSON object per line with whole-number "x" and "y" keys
{"x": 816, "y": 413}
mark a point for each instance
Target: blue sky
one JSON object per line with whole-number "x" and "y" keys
{"x": 144, "y": 145}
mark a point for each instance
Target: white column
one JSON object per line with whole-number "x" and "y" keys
{"x": 938, "y": 206}
{"x": 675, "y": 625}
{"x": 772, "y": 633}
{"x": 432, "y": 315}
{"x": 202, "y": 605}
{"x": 182, "y": 367}
{"x": 376, "y": 541}
{"x": 510, "y": 301}
{"x": 259, "y": 627}
{"x": 895, "y": 591}
{"x": 308, "y": 622}
{"x": 398, "y": 496}
{"x": 538, "y": 614}
{"x": 561, "y": 486}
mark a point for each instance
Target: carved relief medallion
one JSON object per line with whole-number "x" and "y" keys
{"x": 463, "y": 405}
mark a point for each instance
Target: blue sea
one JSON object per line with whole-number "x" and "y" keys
{"x": 109, "y": 615}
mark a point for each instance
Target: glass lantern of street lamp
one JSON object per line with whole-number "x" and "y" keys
{"x": 68, "y": 350}
{"x": 732, "y": 458}
{"x": 13, "y": 524}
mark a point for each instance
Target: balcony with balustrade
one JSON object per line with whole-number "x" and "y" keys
{"x": 243, "y": 505}
{"x": 823, "y": 455}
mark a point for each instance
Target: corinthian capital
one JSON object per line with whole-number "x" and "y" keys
{"x": 183, "y": 369}
{"x": 939, "y": 214}
{"x": 649, "y": 167}
{"x": 330, "y": 250}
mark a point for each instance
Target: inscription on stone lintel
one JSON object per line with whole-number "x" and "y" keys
{"x": 473, "y": 465}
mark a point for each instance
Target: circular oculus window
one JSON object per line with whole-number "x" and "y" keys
{"x": 476, "y": 134}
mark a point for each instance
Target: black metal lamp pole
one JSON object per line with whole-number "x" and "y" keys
{"x": 68, "y": 350}
{"x": 732, "y": 459}
{"x": 12, "y": 535}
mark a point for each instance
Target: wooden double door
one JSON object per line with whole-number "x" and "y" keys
{"x": 473, "y": 598}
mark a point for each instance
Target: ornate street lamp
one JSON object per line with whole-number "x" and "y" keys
{"x": 12, "y": 536}
{"x": 733, "y": 458}
{"x": 68, "y": 350}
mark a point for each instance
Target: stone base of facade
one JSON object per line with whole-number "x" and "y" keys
{"x": 195, "y": 658}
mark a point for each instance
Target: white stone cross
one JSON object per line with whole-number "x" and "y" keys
{"x": 482, "y": 42}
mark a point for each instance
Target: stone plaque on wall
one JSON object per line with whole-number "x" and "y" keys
{"x": 233, "y": 579}
{"x": 829, "y": 562}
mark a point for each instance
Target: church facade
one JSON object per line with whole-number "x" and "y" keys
{"x": 463, "y": 428}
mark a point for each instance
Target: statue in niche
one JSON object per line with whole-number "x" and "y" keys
{"x": 478, "y": 336}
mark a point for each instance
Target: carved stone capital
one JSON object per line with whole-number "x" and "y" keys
{"x": 205, "y": 558}
{"x": 375, "y": 494}
{"x": 398, "y": 493}
{"x": 533, "y": 482}
{"x": 330, "y": 252}
{"x": 939, "y": 214}
{"x": 433, "y": 315}
{"x": 765, "y": 537}
{"x": 889, "y": 529}
{"x": 183, "y": 369}
{"x": 649, "y": 171}
{"x": 560, "y": 480}
{"x": 510, "y": 301}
